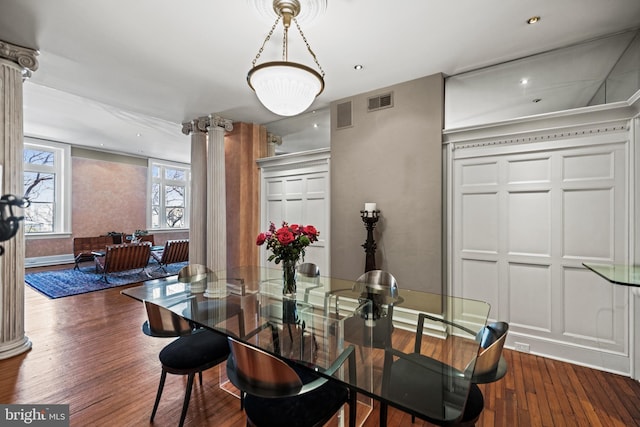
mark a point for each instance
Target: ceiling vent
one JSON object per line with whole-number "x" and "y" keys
{"x": 344, "y": 119}
{"x": 380, "y": 101}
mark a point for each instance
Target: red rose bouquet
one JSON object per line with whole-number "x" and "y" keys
{"x": 288, "y": 242}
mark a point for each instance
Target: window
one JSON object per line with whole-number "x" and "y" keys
{"x": 169, "y": 194}
{"x": 47, "y": 181}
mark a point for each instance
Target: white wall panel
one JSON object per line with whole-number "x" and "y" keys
{"x": 479, "y": 228}
{"x": 525, "y": 216}
{"x": 529, "y": 223}
{"x": 530, "y": 296}
{"x": 588, "y": 167}
{"x": 481, "y": 281}
{"x": 294, "y": 187}
{"x": 275, "y": 188}
{"x": 479, "y": 174}
{"x": 588, "y": 307}
{"x": 317, "y": 186}
{"x": 588, "y": 223}
{"x": 274, "y": 211}
{"x": 529, "y": 171}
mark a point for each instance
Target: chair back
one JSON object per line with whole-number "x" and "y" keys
{"x": 491, "y": 338}
{"x": 308, "y": 269}
{"x": 126, "y": 257}
{"x": 259, "y": 373}
{"x": 175, "y": 251}
{"x": 377, "y": 282}
{"x": 165, "y": 323}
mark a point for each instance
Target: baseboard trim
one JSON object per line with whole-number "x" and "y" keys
{"x": 44, "y": 261}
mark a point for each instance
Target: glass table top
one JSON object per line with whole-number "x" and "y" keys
{"x": 619, "y": 274}
{"x": 328, "y": 316}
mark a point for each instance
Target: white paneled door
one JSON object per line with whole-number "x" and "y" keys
{"x": 524, "y": 219}
{"x": 295, "y": 189}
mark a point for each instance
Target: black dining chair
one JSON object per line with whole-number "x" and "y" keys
{"x": 490, "y": 366}
{"x": 278, "y": 392}
{"x": 426, "y": 383}
{"x": 371, "y": 324}
{"x": 191, "y": 353}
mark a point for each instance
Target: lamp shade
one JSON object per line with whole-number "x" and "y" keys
{"x": 285, "y": 88}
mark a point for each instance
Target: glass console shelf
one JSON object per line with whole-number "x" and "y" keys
{"x": 627, "y": 275}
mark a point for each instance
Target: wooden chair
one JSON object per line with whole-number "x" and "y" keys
{"x": 123, "y": 257}
{"x": 174, "y": 251}
{"x": 277, "y": 393}
{"x": 192, "y": 352}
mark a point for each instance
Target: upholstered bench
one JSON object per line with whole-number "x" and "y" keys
{"x": 83, "y": 247}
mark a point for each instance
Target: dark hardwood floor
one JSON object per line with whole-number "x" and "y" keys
{"x": 88, "y": 352}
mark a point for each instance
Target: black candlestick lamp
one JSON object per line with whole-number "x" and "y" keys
{"x": 370, "y": 217}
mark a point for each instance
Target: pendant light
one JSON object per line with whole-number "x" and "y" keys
{"x": 286, "y": 88}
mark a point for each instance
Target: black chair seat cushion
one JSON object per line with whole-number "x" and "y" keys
{"x": 200, "y": 349}
{"x": 474, "y": 406}
{"x": 306, "y": 410}
{"x": 427, "y": 385}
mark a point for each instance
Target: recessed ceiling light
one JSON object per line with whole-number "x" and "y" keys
{"x": 524, "y": 81}
{"x": 315, "y": 125}
{"x": 358, "y": 67}
{"x": 138, "y": 134}
{"x": 533, "y": 20}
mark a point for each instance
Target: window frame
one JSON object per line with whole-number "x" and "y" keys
{"x": 163, "y": 182}
{"x": 62, "y": 187}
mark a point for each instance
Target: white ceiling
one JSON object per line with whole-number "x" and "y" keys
{"x": 111, "y": 70}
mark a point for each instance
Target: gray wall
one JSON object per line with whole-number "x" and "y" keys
{"x": 391, "y": 157}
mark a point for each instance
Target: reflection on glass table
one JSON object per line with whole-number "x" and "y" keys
{"x": 311, "y": 331}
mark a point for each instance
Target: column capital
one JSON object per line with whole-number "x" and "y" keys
{"x": 205, "y": 123}
{"x": 23, "y": 56}
{"x": 272, "y": 138}
{"x": 217, "y": 121}
{"x": 195, "y": 125}
{"x": 272, "y": 141}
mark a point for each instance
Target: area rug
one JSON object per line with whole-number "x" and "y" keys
{"x": 64, "y": 283}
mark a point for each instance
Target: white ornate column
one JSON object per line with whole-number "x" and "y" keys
{"x": 198, "y": 208}
{"x": 217, "y": 201}
{"x": 15, "y": 63}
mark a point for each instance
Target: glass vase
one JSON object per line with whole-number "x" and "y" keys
{"x": 289, "y": 278}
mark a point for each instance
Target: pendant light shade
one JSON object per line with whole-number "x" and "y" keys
{"x": 285, "y": 88}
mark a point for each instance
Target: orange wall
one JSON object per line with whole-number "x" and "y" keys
{"x": 243, "y": 145}
{"x": 106, "y": 196}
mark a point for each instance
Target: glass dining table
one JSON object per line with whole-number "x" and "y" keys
{"x": 328, "y": 317}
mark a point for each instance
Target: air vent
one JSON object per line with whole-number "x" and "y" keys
{"x": 344, "y": 115}
{"x": 380, "y": 101}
